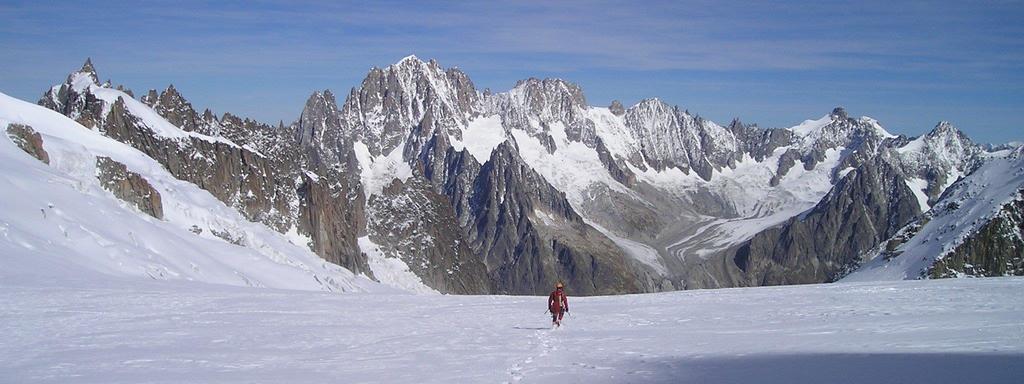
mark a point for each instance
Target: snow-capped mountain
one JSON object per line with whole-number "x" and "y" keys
{"x": 419, "y": 180}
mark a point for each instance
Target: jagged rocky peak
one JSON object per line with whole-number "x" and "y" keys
{"x": 320, "y": 116}
{"x": 736, "y": 124}
{"x": 150, "y": 98}
{"x": 391, "y": 101}
{"x": 945, "y": 130}
{"x": 938, "y": 158}
{"x": 945, "y": 144}
{"x": 536, "y": 106}
{"x": 73, "y": 98}
{"x": 658, "y": 128}
{"x": 840, "y": 113}
{"x": 551, "y": 93}
{"x": 87, "y": 69}
{"x": 616, "y": 108}
{"x": 176, "y": 109}
{"x": 835, "y": 131}
{"x": 649, "y": 114}
{"x": 653, "y": 104}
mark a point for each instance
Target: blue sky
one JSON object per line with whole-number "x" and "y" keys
{"x": 908, "y": 64}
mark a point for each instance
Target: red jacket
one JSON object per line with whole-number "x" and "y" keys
{"x": 557, "y": 301}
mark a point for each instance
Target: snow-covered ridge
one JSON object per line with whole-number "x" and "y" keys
{"x": 58, "y": 218}
{"x": 85, "y": 82}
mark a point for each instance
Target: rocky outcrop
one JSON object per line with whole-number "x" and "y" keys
{"x": 332, "y": 214}
{"x": 28, "y": 140}
{"x": 616, "y": 108}
{"x": 173, "y": 107}
{"x": 129, "y": 186}
{"x": 616, "y": 167}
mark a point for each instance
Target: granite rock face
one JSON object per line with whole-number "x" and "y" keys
{"x": 178, "y": 111}
{"x": 129, "y": 186}
{"x": 28, "y": 140}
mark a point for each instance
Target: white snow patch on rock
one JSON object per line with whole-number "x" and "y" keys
{"x": 481, "y": 136}
{"x": 378, "y": 172}
{"x": 391, "y": 270}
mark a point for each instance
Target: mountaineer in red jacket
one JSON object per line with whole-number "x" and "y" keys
{"x": 558, "y": 304}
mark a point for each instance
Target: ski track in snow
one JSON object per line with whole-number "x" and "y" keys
{"x": 100, "y": 331}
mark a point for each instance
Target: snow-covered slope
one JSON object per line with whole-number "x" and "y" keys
{"x": 964, "y": 208}
{"x": 58, "y": 217}
{"x": 951, "y": 331}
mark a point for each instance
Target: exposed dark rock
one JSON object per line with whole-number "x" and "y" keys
{"x": 28, "y": 140}
{"x": 129, "y": 186}
{"x": 616, "y": 167}
{"x": 333, "y": 216}
{"x": 786, "y": 162}
{"x": 173, "y": 107}
{"x": 616, "y": 108}
{"x": 82, "y": 107}
{"x": 840, "y": 113}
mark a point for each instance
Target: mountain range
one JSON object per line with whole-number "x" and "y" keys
{"x": 420, "y": 181}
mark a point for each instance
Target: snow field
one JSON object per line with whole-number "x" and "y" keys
{"x": 155, "y": 331}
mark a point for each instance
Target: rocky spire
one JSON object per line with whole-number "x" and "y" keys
{"x": 840, "y": 113}
{"x": 319, "y": 117}
{"x": 943, "y": 128}
{"x": 173, "y": 107}
{"x": 89, "y": 72}
{"x": 616, "y": 108}
{"x": 150, "y": 98}
{"x": 88, "y": 68}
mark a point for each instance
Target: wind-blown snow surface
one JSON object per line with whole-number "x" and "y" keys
{"x": 947, "y": 331}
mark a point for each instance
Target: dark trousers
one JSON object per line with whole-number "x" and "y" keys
{"x": 556, "y": 316}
